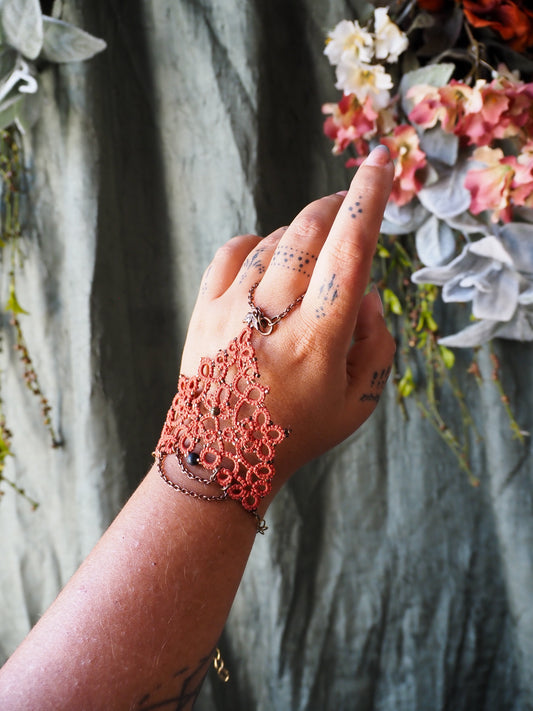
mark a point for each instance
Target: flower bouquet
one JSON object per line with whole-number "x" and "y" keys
{"x": 444, "y": 84}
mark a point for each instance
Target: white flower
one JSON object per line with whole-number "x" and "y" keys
{"x": 364, "y": 80}
{"x": 390, "y": 41}
{"x": 349, "y": 39}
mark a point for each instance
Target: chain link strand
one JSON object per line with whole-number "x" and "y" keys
{"x": 256, "y": 318}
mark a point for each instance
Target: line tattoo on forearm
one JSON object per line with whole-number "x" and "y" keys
{"x": 189, "y": 682}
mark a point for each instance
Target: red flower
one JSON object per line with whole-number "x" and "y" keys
{"x": 510, "y": 18}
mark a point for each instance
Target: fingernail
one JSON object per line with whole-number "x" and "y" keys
{"x": 343, "y": 193}
{"x": 379, "y": 156}
{"x": 374, "y": 290}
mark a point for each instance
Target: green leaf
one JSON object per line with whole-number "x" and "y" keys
{"x": 9, "y": 111}
{"x": 66, "y": 43}
{"x": 426, "y": 321}
{"x": 22, "y": 26}
{"x": 406, "y": 386}
{"x": 392, "y": 302}
{"x": 383, "y": 251}
{"x": 4, "y": 449}
{"x": 448, "y": 357}
{"x": 13, "y": 303}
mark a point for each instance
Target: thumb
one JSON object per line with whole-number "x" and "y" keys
{"x": 371, "y": 354}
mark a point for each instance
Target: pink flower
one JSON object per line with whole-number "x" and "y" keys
{"x": 481, "y": 114}
{"x": 490, "y": 187}
{"x": 522, "y": 187}
{"x": 446, "y": 104}
{"x": 410, "y": 161}
{"x": 506, "y": 182}
{"x": 351, "y": 122}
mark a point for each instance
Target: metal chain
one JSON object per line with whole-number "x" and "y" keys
{"x": 256, "y": 318}
{"x": 220, "y": 667}
{"x": 260, "y": 522}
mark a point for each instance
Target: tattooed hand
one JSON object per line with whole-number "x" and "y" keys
{"x": 134, "y": 626}
{"x": 327, "y": 361}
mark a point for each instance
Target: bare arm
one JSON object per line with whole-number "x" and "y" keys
{"x": 136, "y": 626}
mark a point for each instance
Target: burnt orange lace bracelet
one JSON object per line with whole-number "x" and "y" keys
{"x": 219, "y": 421}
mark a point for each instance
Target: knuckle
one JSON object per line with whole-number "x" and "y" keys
{"x": 349, "y": 251}
{"x": 311, "y": 224}
{"x": 235, "y": 244}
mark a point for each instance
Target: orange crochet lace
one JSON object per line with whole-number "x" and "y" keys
{"x": 221, "y": 415}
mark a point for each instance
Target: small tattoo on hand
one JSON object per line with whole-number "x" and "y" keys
{"x": 253, "y": 261}
{"x": 356, "y": 208}
{"x": 296, "y": 260}
{"x": 328, "y": 294}
{"x": 205, "y": 281}
{"x": 377, "y": 383}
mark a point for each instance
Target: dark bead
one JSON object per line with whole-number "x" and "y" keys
{"x": 192, "y": 458}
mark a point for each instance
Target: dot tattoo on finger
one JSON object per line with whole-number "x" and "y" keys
{"x": 295, "y": 260}
{"x": 328, "y": 293}
{"x": 356, "y": 208}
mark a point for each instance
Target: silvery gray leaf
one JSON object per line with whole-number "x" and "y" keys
{"x": 458, "y": 267}
{"x": 520, "y": 328}
{"x": 439, "y": 145}
{"x": 435, "y": 242}
{"x": 471, "y": 336}
{"x": 447, "y": 197}
{"x": 403, "y": 220}
{"x": 66, "y": 43}
{"x": 467, "y": 224}
{"x": 432, "y": 74}
{"x": 8, "y": 61}
{"x": 500, "y": 301}
{"x": 526, "y": 296}
{"x": 19, "y": 80}
{"x": 518, "y": 240}
{"x": 457, "y": 290}
{"x": 22, "y": 26}
{"x": 9, "y": 110}
{"x": 491, "y": 247}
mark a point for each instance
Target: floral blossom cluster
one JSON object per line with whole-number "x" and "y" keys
{"x": 480, "y": 115}
{"x": 357, "y": 54}
{"x": 511, "y": 19}
{"x": 461, "y": 137}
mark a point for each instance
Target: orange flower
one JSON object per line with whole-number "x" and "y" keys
{"x": 510, "y": 18}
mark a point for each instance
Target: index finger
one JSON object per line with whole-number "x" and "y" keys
{"x": 342, "y": 270}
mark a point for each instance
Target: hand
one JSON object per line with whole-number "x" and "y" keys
{"x": 327, "y": 361}
{"x": 160, "y": 583}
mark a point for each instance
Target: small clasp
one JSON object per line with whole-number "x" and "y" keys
{"x": 258, "y": 320}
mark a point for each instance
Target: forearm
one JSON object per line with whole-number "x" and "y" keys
{"x": 141, "y": 617}
{"x": 136, "y": 626}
